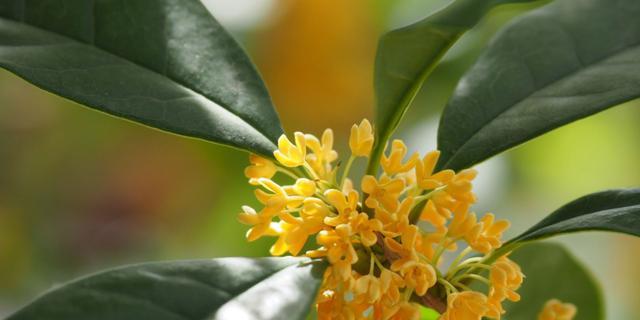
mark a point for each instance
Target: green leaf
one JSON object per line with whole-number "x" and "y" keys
{"x": 612, "y": 210}
{"x": 225, "y": 288}
{"x": 428, "y": 314}
{"x": 563, "y": 62}
{"x": 164, "y": 63}
{"x": 553, "y": 273}
{"x": 406, "y": 57}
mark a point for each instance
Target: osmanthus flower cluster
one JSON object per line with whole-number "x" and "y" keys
{"x": 382, "y": 265}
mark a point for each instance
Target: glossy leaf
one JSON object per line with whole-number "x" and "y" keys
{"x": 612, "y": 210}
{"x": 406, "y": 57}
{"x": 163, "y": 63}
{"x": 225, "y": 288}
{"x": 553, "y": 273}
{"x": 563, "y": 62}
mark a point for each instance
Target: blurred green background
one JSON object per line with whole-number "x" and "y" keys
{"x": 81, "y": 191}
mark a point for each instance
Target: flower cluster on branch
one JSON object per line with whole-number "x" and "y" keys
{"x": 382, "y": 265}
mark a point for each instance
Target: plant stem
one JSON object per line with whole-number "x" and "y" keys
{"x": 491, "y": 258}
{"x": 470, "y": 276}
{"x": 462, "y": 254}
{"x": 372, "y": 262}
{"x": 311, "y": 172}
{"x": 436, "y": 256}
{"x": 465, "y": 264}
{"x": 442, "y": 247}
{"x": 448, "y": 286}
{"x": 463, "y": 287}
{"x": 287, "y": 172}
{"x": 346, "y": 170}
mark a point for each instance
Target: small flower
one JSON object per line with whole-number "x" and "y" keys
{"x": 419, "y": 275}
{"x": 314, "y": 209}
{"x": 290, "y": 155}
{"x": 505, "y": 277}
{"x": 453, "y": 193}
{"x": 416, "y": 273}
{"x": 261, "y": 222}
{"x": 361, "y": 139}
{"x": 347, "y": 186}
{"x": 556, "y": 310}
{"x": 393, "y": 164}
{"x": 345, "y": 204}
{"x": 322, "y": 149}
{"x": 259, "y": 168}
{"x": 395, "y": 222}
{"x": 436, "y": 216}
{"x": 333, "y": 306}
{"x": 390, "y": 284}
{"x": 426, "y": 244}
{"x": 384, "y": 192}
{"x": 276, "y": 197}
{"x": 303, "y": 187}
{"x": 424, "y": 172}
{"x": 494, "y": 303}
{"x": 293, "y": 233}
{"x": 466, "y": 305}
{"x": 369, "y": 288}
{"x": 488, "y": 237}
{"x": 339, "y": 249}
{"x": 322, "y": 153}
{"x": 464, "y": 225}
{"x": 366, "y": 228}
{"x": 460, "y": 186}
{"x": 404, "y": 311}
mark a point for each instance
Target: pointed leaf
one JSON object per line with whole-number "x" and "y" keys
{"x": 553, "y": 273}
{"x": 163, "y": 63}
{"x": 406, "y": 57}
{"x": 612, "y": 210}
{"x": 225, "y": 288}
{"x": 563, "y": 62}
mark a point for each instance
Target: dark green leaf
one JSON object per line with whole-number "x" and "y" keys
{"x": 563, "y": 62}
{"x": 225, "y": 288}
{"x": 164, "y": 63}
{"x": 406, "y": 57}
{"x": 613, "y": 210}
{"x": 552, "y": 273}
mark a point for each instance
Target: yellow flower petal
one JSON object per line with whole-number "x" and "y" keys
{"x": 361, "y": 139}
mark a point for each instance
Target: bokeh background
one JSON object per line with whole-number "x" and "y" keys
{"x": 81, "y": 191}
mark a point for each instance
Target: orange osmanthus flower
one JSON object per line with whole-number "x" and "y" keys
{"x": 557, "y": 310}
{"x": 380, "y": 263}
